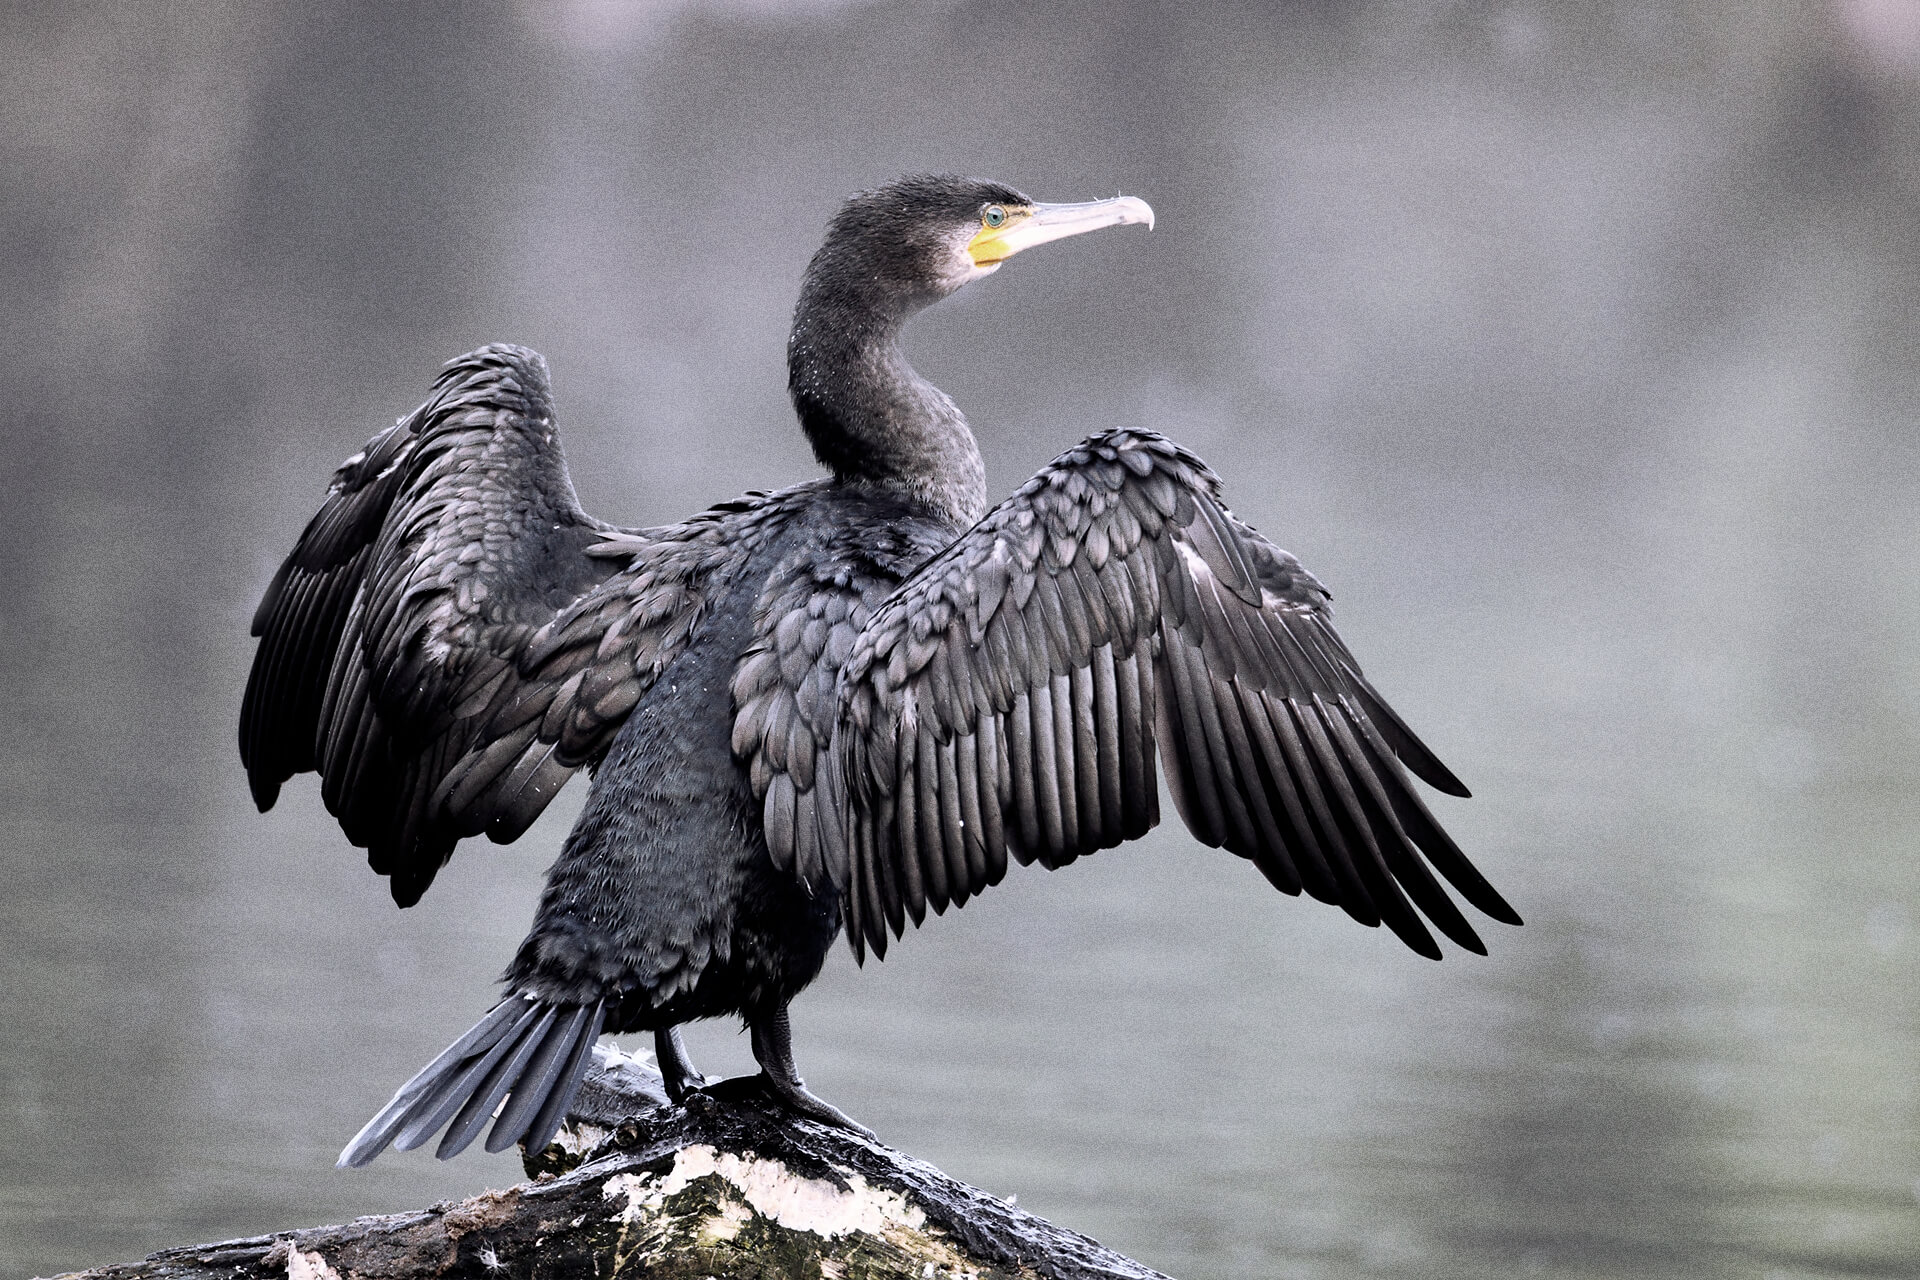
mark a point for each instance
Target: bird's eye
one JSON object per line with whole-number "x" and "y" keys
{"x": 994, "y": 216}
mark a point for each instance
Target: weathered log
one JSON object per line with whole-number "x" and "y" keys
{"x": 727, "y": 1186}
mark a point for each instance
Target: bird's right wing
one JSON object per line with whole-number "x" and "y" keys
{"x": 452, "y": 636}
{"x": 1012, "y": 695}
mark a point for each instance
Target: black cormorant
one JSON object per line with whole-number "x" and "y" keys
{"x": 845, "y": 702}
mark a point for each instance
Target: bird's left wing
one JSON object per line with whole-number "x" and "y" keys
{"x": 1011, "y": 696}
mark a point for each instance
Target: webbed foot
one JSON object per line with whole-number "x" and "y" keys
{"x": 773, "y": 1048}
{"x": 795, "y": 1095}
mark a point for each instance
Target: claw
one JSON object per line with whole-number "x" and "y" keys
{"x": 802, "y": 1101}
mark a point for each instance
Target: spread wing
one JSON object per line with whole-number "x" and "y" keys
{"x": 1012, "y": 695}
{"x": 452, "y": 636}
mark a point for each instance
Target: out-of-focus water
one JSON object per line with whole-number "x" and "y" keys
{"x": 1574, "y": 345}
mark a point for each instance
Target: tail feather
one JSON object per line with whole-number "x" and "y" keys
{"x": 526, "y": 1051}
{"x": 487, "y": 1098}
{"x": 560, "y": 1098}
{"x": 433, "y": 1080}
{"x": 536, "y": 1083}
{"x": 454, "y": 1095}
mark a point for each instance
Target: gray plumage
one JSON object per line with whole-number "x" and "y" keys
{"x": 857, "y": 696}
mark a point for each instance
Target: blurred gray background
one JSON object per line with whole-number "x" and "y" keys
{"x": 1573, "y": 344}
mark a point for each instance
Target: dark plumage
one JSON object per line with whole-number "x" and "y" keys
{"x": 851, "y": 699}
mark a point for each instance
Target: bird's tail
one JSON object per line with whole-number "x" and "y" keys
{"x": 526, "y": 1051}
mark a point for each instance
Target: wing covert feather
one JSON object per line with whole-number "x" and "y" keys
{"x": 785, "y": 686}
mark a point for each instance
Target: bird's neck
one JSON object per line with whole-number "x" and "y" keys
{"x": 873, "y": 421}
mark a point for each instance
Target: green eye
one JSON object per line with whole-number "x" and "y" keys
{"x": 994, "y": 216}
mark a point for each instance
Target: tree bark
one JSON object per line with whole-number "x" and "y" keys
{"x": 726, "y": 1186}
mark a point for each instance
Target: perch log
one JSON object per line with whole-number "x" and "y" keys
{"x": 726, "y": 1186}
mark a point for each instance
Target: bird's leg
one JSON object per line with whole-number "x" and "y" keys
{"x": 773, "y": 1049}
{"x": 676, "y": 1069}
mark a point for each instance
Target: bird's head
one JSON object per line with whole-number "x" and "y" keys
{"x": 889, "y": 253}
{"x": 920, "y": 238}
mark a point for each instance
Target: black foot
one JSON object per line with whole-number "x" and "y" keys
{"x": 797, "y": 1098}
{"x": 773, "y": 1049}
{"x": 676, "y": 1069}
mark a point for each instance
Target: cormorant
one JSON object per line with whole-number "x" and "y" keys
{"x": 847, "y": 701}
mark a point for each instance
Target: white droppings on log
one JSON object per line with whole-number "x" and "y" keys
{"x": 773, "y": 1191}
{"x": 638, "y": 1191}
{"x": 580, "y": 1138}
{"x": 308, "y": 1265}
